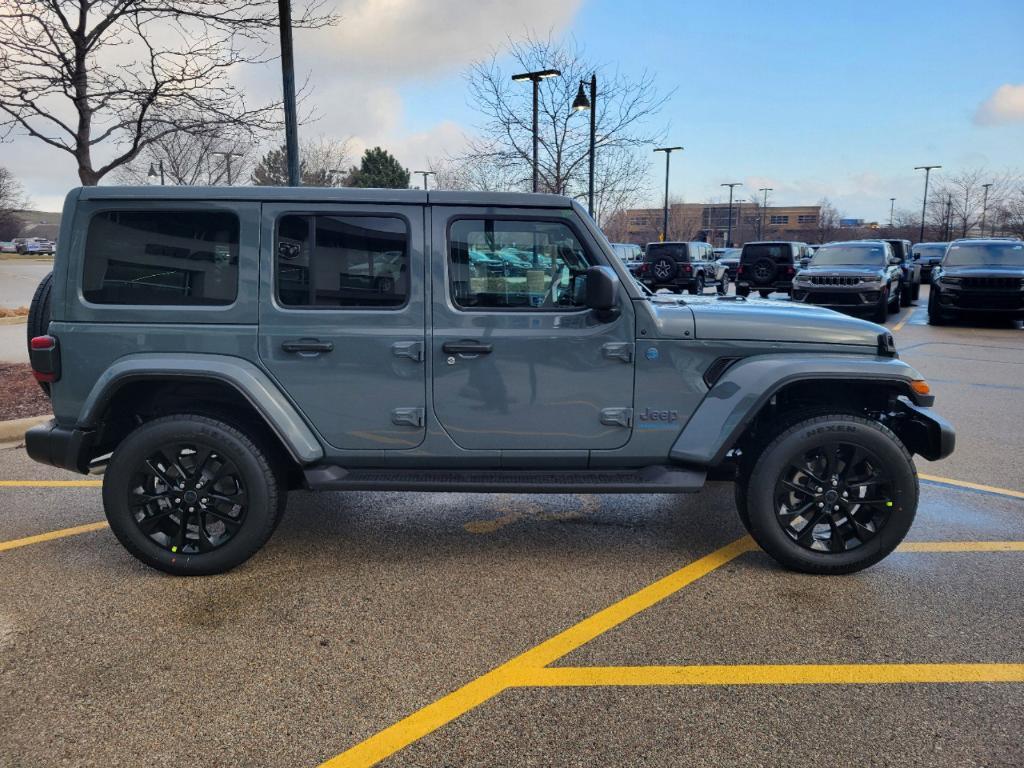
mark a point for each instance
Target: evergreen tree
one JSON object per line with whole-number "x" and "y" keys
{"x": 379, "y": 169}
{"x": 272, "y": 171}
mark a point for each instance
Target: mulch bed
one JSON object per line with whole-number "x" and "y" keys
{"x": 20, "y": 394}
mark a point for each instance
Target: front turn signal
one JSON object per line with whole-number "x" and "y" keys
{"x": 921, "y": 387}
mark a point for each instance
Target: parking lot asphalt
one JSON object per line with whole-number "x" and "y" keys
{"x": 456, "y": 630}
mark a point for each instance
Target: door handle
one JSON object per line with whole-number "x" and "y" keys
{"x": 307, "y": 345}
{"x": 467, "y": 348}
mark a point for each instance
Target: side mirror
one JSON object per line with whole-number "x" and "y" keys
{"x": 603, "y": 292}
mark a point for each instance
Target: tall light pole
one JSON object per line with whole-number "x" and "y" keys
{"x": 924, "y": 203}
{"x": 227, "y": 161}
{"x": 580, "y": 104}
{"x": 984, "y": 208}
{"x": 424, "y": 174}
{"x": 728, "y": 235}
{"x": 892, "y": 208}
{"x": 152, "y": 172}
{"x": 291, "y": 122}
{"x": 535, "y": 78}
{"x": 949, "y": 217}
{"x": 664, "y": 220}
{"x": 760, "y": 229}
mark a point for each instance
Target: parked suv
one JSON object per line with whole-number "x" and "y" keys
{"x": 978, "y": 277}
{"x": 928, "y": 256}
{"x": 208, "y": 349}
{"x": 730, "y": 259}
{"x": 768, "y": 267}
{"x": 677, "y": 266}
{"x": 857, "y": 276}
{"x": 631, "y": 255}
{"x": 910, "y": 269}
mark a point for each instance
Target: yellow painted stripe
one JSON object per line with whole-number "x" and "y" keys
{"x": 961, "y": 546}
{"x": 903, "y": 322}
{"x": 777, "y": 674}
{"x": 51, "y": 535}
{"x": 50, "y": 483}
{"x": 511, "y": 673}
{"x": 972, "y": 486}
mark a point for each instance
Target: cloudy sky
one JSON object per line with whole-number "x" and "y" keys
{"x": 840, "y": 98}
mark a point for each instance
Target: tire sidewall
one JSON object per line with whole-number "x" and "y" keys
{"x": 261, "y": 495}
{"x": 764, "y": 525}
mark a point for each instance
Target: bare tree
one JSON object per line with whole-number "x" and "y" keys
{"x": 625, "y": 108}
{"x": 1009, "y": 216}
{"x": 960, "y": 199}
{"x": 828, "y": 220}
{"x": 104, "y": 79}
{"x": 322, "y": 163}
{"x": 190, "y": 159}
{"x": 12, "y": 199}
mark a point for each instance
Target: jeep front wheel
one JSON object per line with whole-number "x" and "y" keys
{"x": 832, "y": 494}
{"x": 191, "y": 495}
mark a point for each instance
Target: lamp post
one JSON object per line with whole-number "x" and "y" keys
{"x": 291, "y": 123}
{"x": 892, "y": 208}
{"x": 580, "y": 104}
{"x": 227, "y": 161}
{"x": 424, "y": 174}
{"x": 924, "y": 203}
{"x": 984, "y": 208}
{"x": 535, "y": 78}
{"x": 728, "y": 235}
{"x": 949, "y": 218}
{"x": 153, "y": 173}
{"x": 760, "y": 228}
{"x": 664, "y": 222}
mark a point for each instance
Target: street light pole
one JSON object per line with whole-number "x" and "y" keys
{"x": 227, "y": 161}
{"x": 984, "y": 208}
{"x": 580, "y": 104}
{"x": 728, "y": 235}
{"x": 892, "y": 208}
{"x": 664, "y": 222}
{"x": 760, "y": 229}
{"x": 152, "y": 172}
{"x": 535, "y": 78}
{"x": 424, "y": 174}
{"x": 924, "y": 203}
{"x": 291, "y": 123}
{"x": 949, "y": 217}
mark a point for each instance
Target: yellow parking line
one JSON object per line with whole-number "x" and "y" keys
{"x": 972, "y": 486}
{"x": 903, "y": 322}
{"x": 50, "y": 483}
{"x": 511, "y": 673}
{"x": 961, "y": 546}
{"x": 777, "y": 674}
{"x": 51, "y": 535}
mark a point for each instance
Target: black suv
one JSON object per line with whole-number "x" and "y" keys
{"x": 928, "y": 255}
{"x": 860, "y": 275}
{"x": 679, "y": 265}
{"x": 911, "y": 270}
{"x": 767, "y": 267}
{"x": 978, "y": 277}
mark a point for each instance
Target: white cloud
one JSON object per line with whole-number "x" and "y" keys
{"x": 1006, "y": 105}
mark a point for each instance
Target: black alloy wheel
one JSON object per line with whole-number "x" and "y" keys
{"x": 697, "y": 286}
{"x": 723, "y": 285}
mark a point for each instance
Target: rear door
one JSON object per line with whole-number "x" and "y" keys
{"x": 342, "y": 319}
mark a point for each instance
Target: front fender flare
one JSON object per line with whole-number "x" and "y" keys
{"x": 736, "y": 398}
{"x": 241, "y": 375}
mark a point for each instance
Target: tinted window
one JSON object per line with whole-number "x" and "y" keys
{"x": 985, "y": 254}
{"x": 931, "y": 250}
{"x": 849, "y": 255}
{"x": 327, "y": 262}
{"x": 186, "y": 258}
{"x": 676, "y": 251}
{"x": 780, "y": 252}
{"x": 497, "y": 264}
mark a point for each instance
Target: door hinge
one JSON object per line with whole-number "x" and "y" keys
{"x": 619, "y": 350}
{"x": 407, "y": 417}
{"x": 411, "y": 349}
{"x": 617, "y": 417}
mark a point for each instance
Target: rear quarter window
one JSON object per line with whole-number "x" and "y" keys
{"x": 163, "y": 258}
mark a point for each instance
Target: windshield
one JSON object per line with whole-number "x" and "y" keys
{"x": 849, "y": 255}
{"x": 931, "y": 250}
{"x": 985, "y": 254}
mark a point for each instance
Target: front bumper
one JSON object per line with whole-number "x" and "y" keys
{"x": 60, "y": 446}
{"x": 923, "y": 431}
{"x": 849, "y": 298}
{"x": 958, "y": 299}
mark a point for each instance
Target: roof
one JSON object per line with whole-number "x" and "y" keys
{"x": 327, "y": 195}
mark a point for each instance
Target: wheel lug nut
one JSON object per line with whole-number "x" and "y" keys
{"x": 836, "y": 507}
{"x": 821, "y": 504}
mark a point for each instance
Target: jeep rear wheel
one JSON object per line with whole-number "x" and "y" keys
{"x": 905, "y": 298}
{"x": 832, "y": 494}
{"x": 697, "y": 286}
{"x": 191, "y": 495}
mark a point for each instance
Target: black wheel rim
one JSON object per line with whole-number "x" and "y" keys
{"x": 833, "y": 498}
{"x": 188, "y": 498}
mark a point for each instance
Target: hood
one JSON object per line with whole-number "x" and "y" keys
{"x": 729, "y": 318}
{"x": 994, "y": 270}
{"x": 840, "y": 271}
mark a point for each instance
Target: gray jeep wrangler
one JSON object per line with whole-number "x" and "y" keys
{"x": 210, "y": 349}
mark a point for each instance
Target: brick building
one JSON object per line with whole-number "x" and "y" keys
{"x": 688, "y": 221}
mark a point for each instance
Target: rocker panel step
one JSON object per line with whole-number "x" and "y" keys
{"x": 642, "y": 480}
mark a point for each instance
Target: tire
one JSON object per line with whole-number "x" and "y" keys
{"x": 723, "y": 286}
{"x": 935, "y": 316}
{"x": 905, "y": 297}
{"x": 739, "y": 491}
{"x": 742, "y": 291}
{"x": 916, "y": 292}
{"x": 664, "y": 269}
{"x": 39, "y": 316}
{"x": 894, "y": 301}
{"x": 697, "y": 286}
{"x": 881, "y": 313}
{"x": 249, "y": 492}
{"x": 765, "y": 294}
{"x": 859, "y": 534}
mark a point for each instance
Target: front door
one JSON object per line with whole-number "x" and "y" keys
{"x": 342, "y": 319}
{"x": 519, "y": 363}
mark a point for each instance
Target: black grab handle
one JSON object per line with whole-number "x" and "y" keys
{"x": 467, "y": 348}
{"x": 307, "y": 345}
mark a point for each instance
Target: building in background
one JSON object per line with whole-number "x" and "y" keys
{"x": 710, "y": 222}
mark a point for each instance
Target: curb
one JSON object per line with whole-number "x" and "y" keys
{"x": 15, "y": 428}
{"x": 20, "y": 320}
